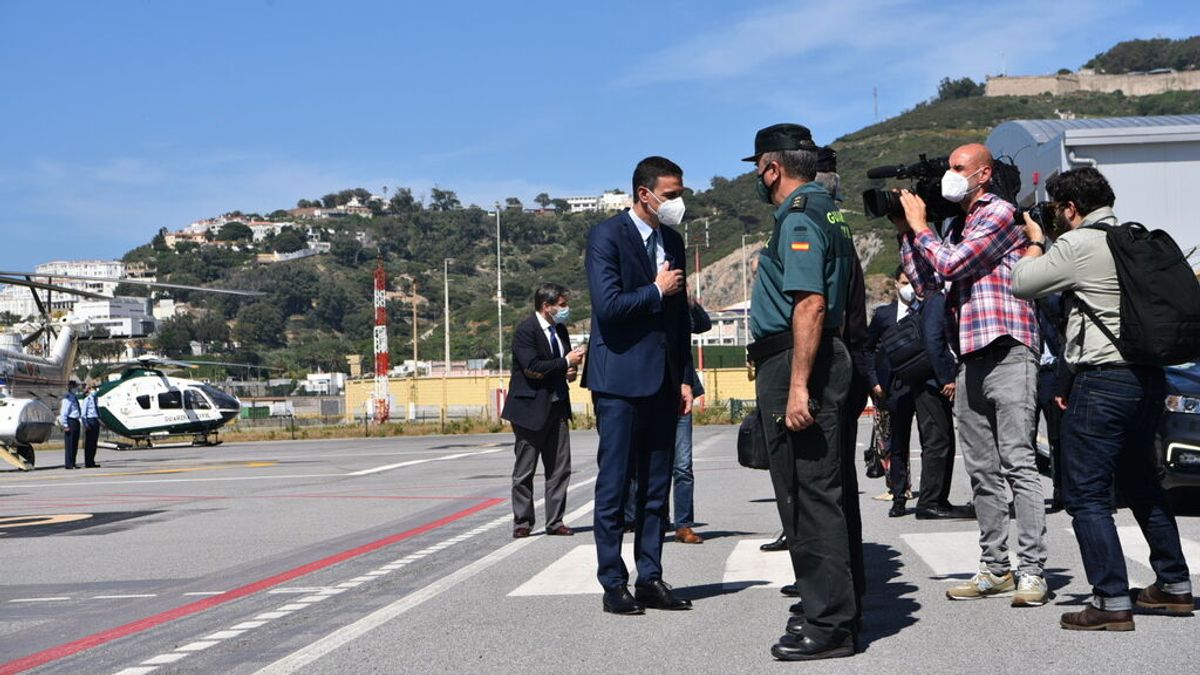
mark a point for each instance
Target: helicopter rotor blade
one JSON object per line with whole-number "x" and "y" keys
{"x": 32, "y": 337}
{"x": 29, "y": 283}
{"x": 139, "y": 282}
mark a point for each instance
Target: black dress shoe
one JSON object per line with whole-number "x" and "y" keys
{"x": 795, "y": 624}
{"x": 790, "y": 590}
{"x": 899, "y": 508}
{"x": 657, "y": 595}
{"x": 779, "y": 544}
{"x": 942, "y": 513}
{"x": 619, "y": 601}
{"x": 797, "y": 609}
{"x": 799, "y": 648}
{"x": 92, "y": 466}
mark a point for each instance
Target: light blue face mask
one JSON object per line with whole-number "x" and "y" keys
{"x": 562, "y": 315}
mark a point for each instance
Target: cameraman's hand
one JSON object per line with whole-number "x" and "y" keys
{"x": 914, "y": 210}
{"x": 1034, "y": 232}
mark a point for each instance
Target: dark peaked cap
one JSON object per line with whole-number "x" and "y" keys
{"x": 781, "y": 137}
{"x": 827, "y": 160}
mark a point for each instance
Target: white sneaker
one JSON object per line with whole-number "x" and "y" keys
{"x": 1031, "y": 592}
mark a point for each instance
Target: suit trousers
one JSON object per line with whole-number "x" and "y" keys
{"x": 808, "y": 473}
{"x": 553, "y": 444}
{"x": 855, "y": 404}
{"x": 91, "y": 436}
{"x": 71, "y": 443}
{"x": 935, "y": 426}
{"x": 637, "y": 438}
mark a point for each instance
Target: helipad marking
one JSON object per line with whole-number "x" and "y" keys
{"x": 949, "y": 554}
{"x": 748, "y": 567}
{"x": 572, "y": 574}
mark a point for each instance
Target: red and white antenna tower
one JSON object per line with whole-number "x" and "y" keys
{"x": 382, "y": 360}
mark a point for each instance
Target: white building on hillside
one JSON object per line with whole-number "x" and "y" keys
{"x": 120, "y": 316}
{"x": 19, "y": 300}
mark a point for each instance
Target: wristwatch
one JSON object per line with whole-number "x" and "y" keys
{"x": 1041, "y": 244}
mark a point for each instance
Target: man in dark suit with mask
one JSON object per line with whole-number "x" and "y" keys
{"x": 539, "y": 407}
{"x": 639, "y": 369}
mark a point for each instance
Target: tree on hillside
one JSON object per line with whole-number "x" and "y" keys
{"x": 159, "y": 242}
{"x": 949, "y": 90}
{"x": 288, "y": 241}
{"x": 561, "y": 205}
{"x": 260, "y": 323}
{"x": 235, "y": 231}
{"x": 279, "y": 214}
{"x": 543, "y": 200}
{"x": 513, "y": 204}
{"x": 174, "y": 336}
{"x": 1143, "y": 55}
{"x": 443, "y": 200}
{"x": 403, "y": 203}
{"x": 212, "y": 331}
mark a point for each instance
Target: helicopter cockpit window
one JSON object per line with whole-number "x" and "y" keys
{"x": 193, "y": 400}
{"x": 221, "y": 399}
{"x": 143, "y": 401}
{"x": 170, "y": 400}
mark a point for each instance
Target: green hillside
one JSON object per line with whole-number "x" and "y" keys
{"x": 318, "y": 309}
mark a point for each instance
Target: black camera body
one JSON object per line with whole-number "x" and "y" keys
{"x": 926, "y": 175}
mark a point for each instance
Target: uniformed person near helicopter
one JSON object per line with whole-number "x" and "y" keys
{"x": 802, "y": 378}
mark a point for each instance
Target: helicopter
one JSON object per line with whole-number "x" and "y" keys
{"x": 31, "y": 386}
{"x": 145, "y": 404}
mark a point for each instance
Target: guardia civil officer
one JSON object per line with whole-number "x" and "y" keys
{"x": 803, "y": 373}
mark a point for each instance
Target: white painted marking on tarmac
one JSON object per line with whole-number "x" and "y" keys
{"x": 305, "y": 590}
{"x": 137, "y": 671}
{"x": 293, "y": 606}
{"x": 206, "y": 593}
{"x": 344, "y": 635}
{"x": 748, "y": 567}
{"x": 267, "y": 616}
{"x": 948, "y": 553}
{"x": 54, "y": 599}
{"x": 1134, "y": 545}
{"x": 123, "y": 597}
{"x": 572, "y": 574}
{"x": 223, "y": 635}
{"x": 196, "y": 646}
{"x": 414, "y": 462}
{"x": 247, "y": 625}
{"x": 315, "y": 598}
{"x": 163, "y": 659}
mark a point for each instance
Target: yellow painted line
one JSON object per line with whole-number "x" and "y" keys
{"x": 185, "y": 469}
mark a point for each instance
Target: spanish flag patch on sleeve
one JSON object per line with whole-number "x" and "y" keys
{"x": 799, "y": 245}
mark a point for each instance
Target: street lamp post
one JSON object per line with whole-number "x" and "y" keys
{"x": 745, "y": 295}
{"x": 446, "y": 332}
{"x": 499, "y": 300}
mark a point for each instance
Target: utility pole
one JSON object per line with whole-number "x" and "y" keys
{"x": 381, "y": 344}
{"x": 745, "y": 294}
{"x": 446, "y": 332}
{"x": 499, "y": 300}
{"x": 412, "y": 393}
{"x": 875, "y": 95}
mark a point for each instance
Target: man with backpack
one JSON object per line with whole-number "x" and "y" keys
{"x": 1116, "y": 398}
{"x": 912, "y": 372}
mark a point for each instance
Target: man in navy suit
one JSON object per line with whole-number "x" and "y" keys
{"x": 639, "y": 369}
{"x": 927, "y": 395}
{"x": 539, "y": 406}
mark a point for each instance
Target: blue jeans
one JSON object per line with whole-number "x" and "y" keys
{"x": 1108, "y": 434}
{"x": 681, "y": 473}
{"x": 681, "y": 476}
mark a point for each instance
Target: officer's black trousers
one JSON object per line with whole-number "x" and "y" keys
{"x": 808, "y": 473}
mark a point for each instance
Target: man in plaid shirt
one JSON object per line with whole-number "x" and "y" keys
{"x": 998, "y": 347}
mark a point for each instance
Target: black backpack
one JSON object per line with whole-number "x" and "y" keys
{"x": 904, "y": 347}
{"x": 1160, "y": 297}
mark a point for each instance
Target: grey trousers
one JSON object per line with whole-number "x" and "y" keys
{"x": 553, "y": 444}
{"x": 996, "y": 404}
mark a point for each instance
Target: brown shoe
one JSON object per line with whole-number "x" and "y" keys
{"x": 520, "y": 532}
{"x": 1097, "y": 619}
{"x": 685, "y": 535}
{"x": 561, "y": 531}
{"x": 1152, "y": 597}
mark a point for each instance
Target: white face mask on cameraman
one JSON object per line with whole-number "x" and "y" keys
{"x": 956, "y": 187}
{"x": 907, "y": 295}
{"x": 670, "y": 212}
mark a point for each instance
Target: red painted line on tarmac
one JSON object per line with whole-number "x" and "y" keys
{"x": 62, "y": 651}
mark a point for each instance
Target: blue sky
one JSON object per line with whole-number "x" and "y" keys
{"x": 122, "y": 117}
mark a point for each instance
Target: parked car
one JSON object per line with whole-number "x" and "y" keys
{"x": 1177, "y": 446}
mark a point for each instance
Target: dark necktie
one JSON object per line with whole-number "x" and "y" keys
{"x": 652, "y": 248}
{"x": 561, "y": 388}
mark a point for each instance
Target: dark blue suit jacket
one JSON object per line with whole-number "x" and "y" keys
{"x": 536, "y": 373}
{"x": 637, "y": 337}
{"x": 933, "y": 330}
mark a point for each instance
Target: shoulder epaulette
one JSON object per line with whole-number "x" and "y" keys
{"x": 799, "y": 203}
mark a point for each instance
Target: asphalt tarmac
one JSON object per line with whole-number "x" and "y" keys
{"x": 395, "y": 555}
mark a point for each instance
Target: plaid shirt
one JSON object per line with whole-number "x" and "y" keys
{"x": 978, "y": 260}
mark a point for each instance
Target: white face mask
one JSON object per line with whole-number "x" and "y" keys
{"x": 907, "y": 294}
{"x": 956, "y": 187}
{"x": 670, "y": 212}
